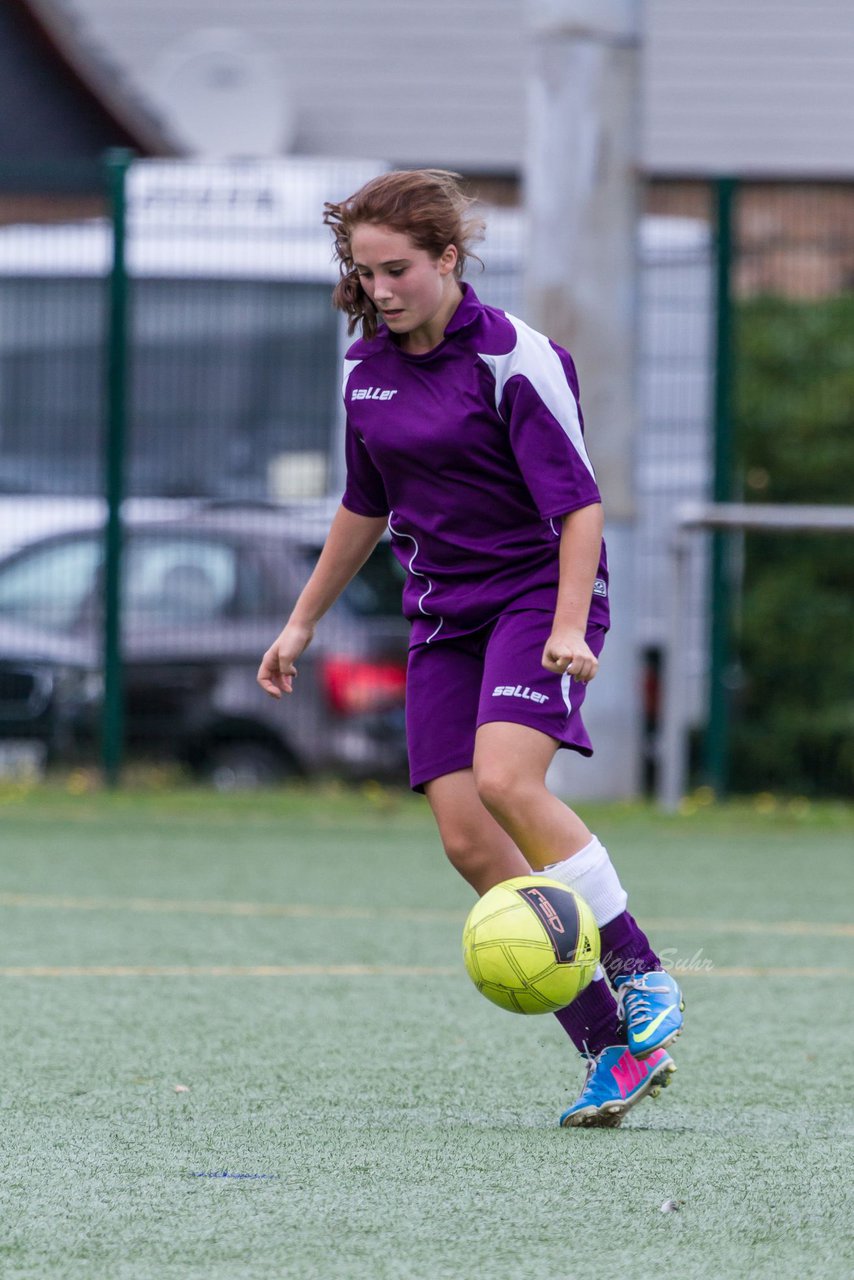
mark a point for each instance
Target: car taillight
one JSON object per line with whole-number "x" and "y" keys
{"x": 354, "y": 685}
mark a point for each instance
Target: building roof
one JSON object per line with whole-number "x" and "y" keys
{"x": 51, "y": 106}
{"x": 765, "y": 88}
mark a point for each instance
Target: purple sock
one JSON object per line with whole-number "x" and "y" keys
{"x": 625, "y": 947}
{"x": 591, "y": 1020}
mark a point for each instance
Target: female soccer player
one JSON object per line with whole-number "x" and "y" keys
{"x": 465, "y": 438}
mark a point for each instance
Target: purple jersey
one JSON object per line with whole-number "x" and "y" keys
{"x": 473, "y": 452}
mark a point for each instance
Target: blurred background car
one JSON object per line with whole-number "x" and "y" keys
{"x": 204, "y": 595}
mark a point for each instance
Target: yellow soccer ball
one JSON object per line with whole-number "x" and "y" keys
{"x": 531, "y": 944}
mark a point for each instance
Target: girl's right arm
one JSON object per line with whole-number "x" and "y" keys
{"x": 350, "y": 541}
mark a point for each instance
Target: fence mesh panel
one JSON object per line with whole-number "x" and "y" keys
{"x": 234, "y": 458}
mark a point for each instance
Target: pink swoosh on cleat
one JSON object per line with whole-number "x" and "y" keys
{"x": 628, "y": 1073}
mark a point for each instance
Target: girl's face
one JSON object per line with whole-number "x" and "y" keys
{"x": 414, "y": 293}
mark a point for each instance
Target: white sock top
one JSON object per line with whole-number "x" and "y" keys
{"x": 591, "y": 873}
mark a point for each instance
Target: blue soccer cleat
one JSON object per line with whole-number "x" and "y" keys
{"x": 651, "y": 1006}
{"x": 615, "y": 1082}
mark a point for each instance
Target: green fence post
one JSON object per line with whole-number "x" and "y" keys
{"x": 716, "y": 746}
{"x": 116, "y": 165}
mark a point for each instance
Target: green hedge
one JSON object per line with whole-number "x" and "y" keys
{"x": 793, "y": 728}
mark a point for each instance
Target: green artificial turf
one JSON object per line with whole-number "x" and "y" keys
{"x": 282, "y": 1070}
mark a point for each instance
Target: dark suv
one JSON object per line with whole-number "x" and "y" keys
{"x": 203, "y": 597}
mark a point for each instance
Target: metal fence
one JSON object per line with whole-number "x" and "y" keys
{"x": 779, "y": 433}
{"x": 168, "y": 352}
{"x": 170, "y": 456}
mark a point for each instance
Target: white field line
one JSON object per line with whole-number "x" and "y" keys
{"x": 355, "y": 971}
{"x": 299, "y": 911}
{"x": 789, "y": 928}
{"x": 227, "y": 971}
{"x": 290, "y": 911}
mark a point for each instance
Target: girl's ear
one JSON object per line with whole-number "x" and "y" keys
{"x": 449, "y": 259}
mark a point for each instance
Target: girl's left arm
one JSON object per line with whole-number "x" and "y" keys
{"x": 580, "y": 546}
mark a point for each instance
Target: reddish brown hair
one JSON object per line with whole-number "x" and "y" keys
{"x": 425, "y": 204}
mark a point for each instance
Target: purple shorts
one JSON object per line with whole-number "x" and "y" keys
{"x": 454, "y": 686}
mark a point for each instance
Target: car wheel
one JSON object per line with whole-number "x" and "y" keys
{"x": 244, "y": 766}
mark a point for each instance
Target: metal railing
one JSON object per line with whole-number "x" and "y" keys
{"x": 723, "y": 518}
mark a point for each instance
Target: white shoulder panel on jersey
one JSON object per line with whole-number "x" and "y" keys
{"x": 534, "y": 358}
{"x": 349, "y": 366}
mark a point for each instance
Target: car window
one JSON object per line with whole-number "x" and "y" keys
{"x": 376, "y": 590}
{"x": 179, "y": 579}
{"x": 50, "y": 585}
{"x": 259, "y": 594}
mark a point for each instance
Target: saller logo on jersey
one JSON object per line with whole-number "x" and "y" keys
{"x": 372, "y": 393}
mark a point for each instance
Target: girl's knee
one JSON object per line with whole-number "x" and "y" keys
{"x": 465, "y": 852}
{"x": 481, "y": 859}
{"x": 502, "y": 784}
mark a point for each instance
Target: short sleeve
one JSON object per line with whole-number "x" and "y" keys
{"x": 540, "y": 405}
{"x": 364, "y": 493}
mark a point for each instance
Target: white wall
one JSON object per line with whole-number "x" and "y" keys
{"x": 760, "y": 87}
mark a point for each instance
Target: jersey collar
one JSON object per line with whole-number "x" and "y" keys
{"x": 467, "y": 312}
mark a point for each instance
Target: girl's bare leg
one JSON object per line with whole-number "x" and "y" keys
{"x": 484, "y": 854}
{"x": 510, "y": 765}
{"x": 480, "y": 849}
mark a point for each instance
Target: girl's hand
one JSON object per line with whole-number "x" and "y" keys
{"x": 567, "y": 651}
{"x": 278, "y": 666}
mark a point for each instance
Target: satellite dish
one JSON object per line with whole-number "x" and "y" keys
{"x": 222, "y": 95}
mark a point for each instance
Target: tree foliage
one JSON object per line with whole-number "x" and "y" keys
{"x": 794, "y": 723}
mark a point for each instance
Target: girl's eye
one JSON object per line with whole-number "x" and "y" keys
{"x": 396, "y": 271}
